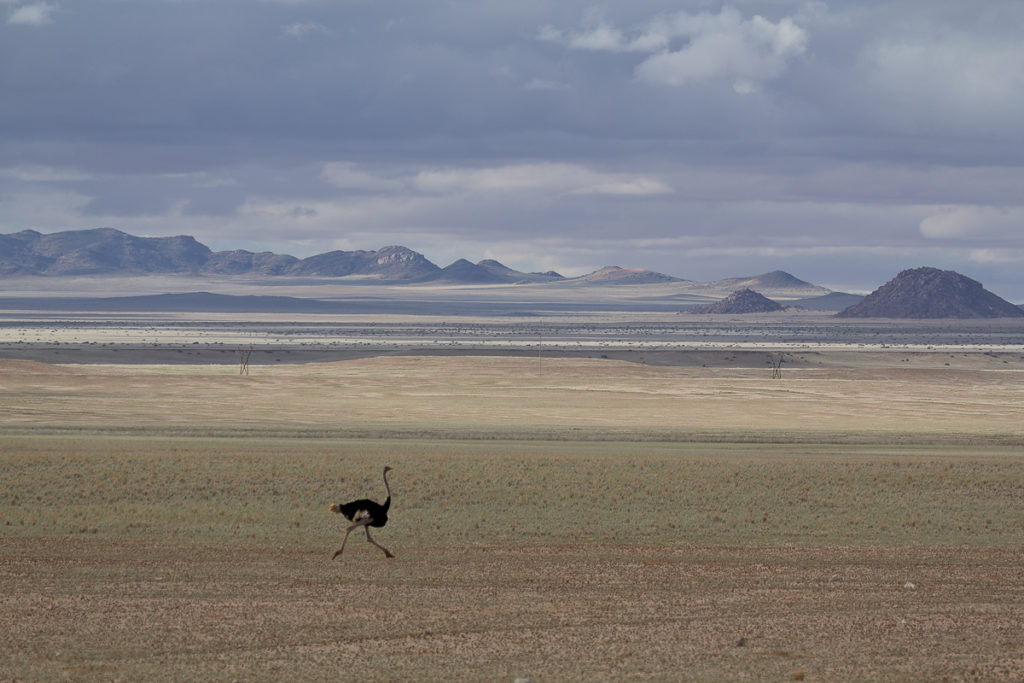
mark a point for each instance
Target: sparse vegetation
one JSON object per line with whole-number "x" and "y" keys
{"x": 606, "y": 520}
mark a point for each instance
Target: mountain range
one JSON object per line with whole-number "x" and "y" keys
{"x": 915, "y": 293}
{"x": 105, "y": 251}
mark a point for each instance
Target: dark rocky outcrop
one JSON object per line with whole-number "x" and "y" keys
{"x": 740, "y": 301}
{"x": 931, "y": 293}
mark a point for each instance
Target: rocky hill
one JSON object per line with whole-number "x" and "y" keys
{"x": 931, "y": 293}
{"x": 389, "y": 263}
{"x": 740, "y": 301}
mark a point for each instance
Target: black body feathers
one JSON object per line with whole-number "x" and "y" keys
{"x": 358, "y": 509}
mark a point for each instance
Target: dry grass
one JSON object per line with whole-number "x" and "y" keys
{"x": 517, "y": 396}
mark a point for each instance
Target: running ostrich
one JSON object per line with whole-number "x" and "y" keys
{"x": 365, "y": 513}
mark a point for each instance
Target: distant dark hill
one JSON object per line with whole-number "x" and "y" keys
{"x": 741, "y": 301}
{"x": 462, "y": 271}
{"x": 242, "y": 262}
{"x": 614, "y": 275}
{"x": 931, "y": 293}
{"x": 775, "y": 280}
{"x": 389, "y": 263}
{"x": 512, "y": 276}
{"x": 834, "y": 301}
{"x": 99, "y": 251}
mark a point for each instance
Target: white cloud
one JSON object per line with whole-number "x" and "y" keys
{"x": 38, "y": 14}
{"x": 540, "y": 177}
{"x": 997, "y": 256}
{"x": 726, "y": 46}
{"x": 544, "y": 84}
{"x": 973, "y": 80}
{"x": 39, "y": 173}
{"x": 302, "y": 29}
{"x": 347, "y": 176}
{"x": 601, "y": 37}
{"x": 716, "y": 46}
{"x": 971, "y": 222}
{"x": 550, "y": 34}
{"x": 42, "y": 209}
{"x": 639, "y": 187}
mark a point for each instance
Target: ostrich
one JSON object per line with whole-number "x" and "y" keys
{"x": 365, "y": 513}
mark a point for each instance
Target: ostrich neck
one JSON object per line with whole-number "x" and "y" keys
{"x": 386, "y": 485}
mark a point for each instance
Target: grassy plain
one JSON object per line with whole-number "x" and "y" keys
{"x": 564, "y": 519}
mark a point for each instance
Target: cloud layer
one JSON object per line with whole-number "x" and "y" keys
{"x": 839, "y": 140}
{"x": 682, "y": 48}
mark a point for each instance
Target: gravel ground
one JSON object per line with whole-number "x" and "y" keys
{"x": 91, "y": 609}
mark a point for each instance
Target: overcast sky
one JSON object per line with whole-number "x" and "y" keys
{"x": 841, "y": 141}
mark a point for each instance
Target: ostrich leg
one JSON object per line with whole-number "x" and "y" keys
{"x": 387, "y": 553}
{"x": 361, "y": 523}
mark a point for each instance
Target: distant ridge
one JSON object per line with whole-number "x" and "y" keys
{"x": 462, "y": 271}
{"x": 389, "y": 263}
{"x": 110, "y": 252}
{"x": 626, "y": 276}
{"x": 776, "y": 280}
{"x": 99, "y": 251}
{"x": 931, "y": 293}
{"x": 833, "y": 301}
{"x": 105, "y": 251}
{"x": 517, "y": 277}
{"x": 240, "y": 261}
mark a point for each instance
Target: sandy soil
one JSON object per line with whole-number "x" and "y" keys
{"x": 88, "y": 610}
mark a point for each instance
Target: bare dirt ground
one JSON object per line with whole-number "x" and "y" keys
{"x": 87, "y": 610}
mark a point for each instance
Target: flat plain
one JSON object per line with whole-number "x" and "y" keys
{"x": 652, "y": 509}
